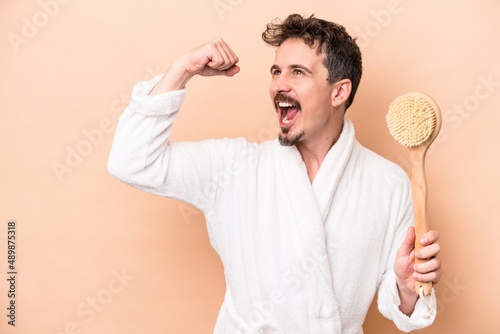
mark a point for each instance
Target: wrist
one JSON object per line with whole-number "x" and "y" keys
{"x": 178, "y": 69}
{"x": 408, "y": 298}
{"x": 176, "y": 78}
{"x": 404, "y": 290}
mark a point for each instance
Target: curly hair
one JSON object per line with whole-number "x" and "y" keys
{"x": 342, "y": 54}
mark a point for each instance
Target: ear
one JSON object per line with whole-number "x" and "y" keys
{"x": 341, "y": 92}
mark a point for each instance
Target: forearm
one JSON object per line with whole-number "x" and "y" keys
{"x": 408, "y": 299}
{"x": 143, "y": 157}
{"x": 176, "y": 78}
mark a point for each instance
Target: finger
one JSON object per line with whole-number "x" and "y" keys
{"x": 409, "y": 242}
{"x": 427, "y": 267}
{"x": 429, "y": 238}
{"x": 433, "y": 276}
{"x": 428, "y": 252}
{"x": 216, "y": 58}
{"x": 227, "y": 63}
{"x": 234, "y": 58}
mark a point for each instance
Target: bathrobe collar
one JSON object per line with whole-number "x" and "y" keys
{"x": 318, "y": 199}
{"x": 330, "y": 172}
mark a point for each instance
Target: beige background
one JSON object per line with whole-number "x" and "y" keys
{"x": 67, "y": 69}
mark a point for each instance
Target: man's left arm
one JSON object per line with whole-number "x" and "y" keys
{"x": 407, "y": 272}
{"x": 397, "y": 299}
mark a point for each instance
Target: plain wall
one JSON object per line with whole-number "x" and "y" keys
{"x": 66, "y": 72}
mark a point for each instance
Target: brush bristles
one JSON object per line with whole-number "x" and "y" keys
{"x": 411, "y": 120}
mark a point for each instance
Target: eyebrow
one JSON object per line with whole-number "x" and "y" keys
{"x": 301, "y": 67}
{"x": 274, "y": 67}
{"x": 293, "y": 66}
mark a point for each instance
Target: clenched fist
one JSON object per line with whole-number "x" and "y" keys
{"x": 407, "y": 271}
{"x": 210, "y": 59}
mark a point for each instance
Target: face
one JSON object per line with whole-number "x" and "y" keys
{"x": 301, "y": 93}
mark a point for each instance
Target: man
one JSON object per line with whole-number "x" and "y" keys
{"x": 308, "y": 227}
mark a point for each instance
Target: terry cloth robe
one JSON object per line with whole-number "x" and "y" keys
{"x": 298, "y": 257}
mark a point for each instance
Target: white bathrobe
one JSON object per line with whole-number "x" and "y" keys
{"x": 298, "y": 257}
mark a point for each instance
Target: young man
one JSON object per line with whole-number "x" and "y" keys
{"x": 309, "y": 226}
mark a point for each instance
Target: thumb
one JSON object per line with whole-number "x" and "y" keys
{"x": 229, "y": 72}
{"x": 232, "y": 71}
{"x": 209, "y": 72}
{"x": 409, "y": 242}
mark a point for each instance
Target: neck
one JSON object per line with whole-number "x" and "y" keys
{"x": 314, "y": 151}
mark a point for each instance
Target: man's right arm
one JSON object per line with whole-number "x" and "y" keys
{"x": 211, "y": 59}
{"x": 141, "y": 155}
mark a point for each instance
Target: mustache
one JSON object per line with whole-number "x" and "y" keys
{"x": 284, "y": 98}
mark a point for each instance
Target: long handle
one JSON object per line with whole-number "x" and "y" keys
{"x": 419, "y": 193}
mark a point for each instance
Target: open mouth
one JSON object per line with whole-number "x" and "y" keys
{"x": 287, "y": 110}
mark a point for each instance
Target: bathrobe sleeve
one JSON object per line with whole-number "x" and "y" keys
{"x": 388, "y": 296}
{"x": 143, "y": 157}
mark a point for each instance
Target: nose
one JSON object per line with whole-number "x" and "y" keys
{"x": 280, "y": 84}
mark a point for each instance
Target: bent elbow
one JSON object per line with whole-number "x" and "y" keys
{"x": 115, "y": 170}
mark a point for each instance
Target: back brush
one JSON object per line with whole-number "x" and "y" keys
{"x": 414, "y": 120}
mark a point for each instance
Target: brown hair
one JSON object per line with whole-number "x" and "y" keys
{"x": 342, "y": 54}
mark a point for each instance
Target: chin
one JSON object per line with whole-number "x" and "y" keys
{"x": 288, "y": 139}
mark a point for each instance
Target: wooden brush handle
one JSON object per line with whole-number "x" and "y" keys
{"x": 419, "y": 194}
